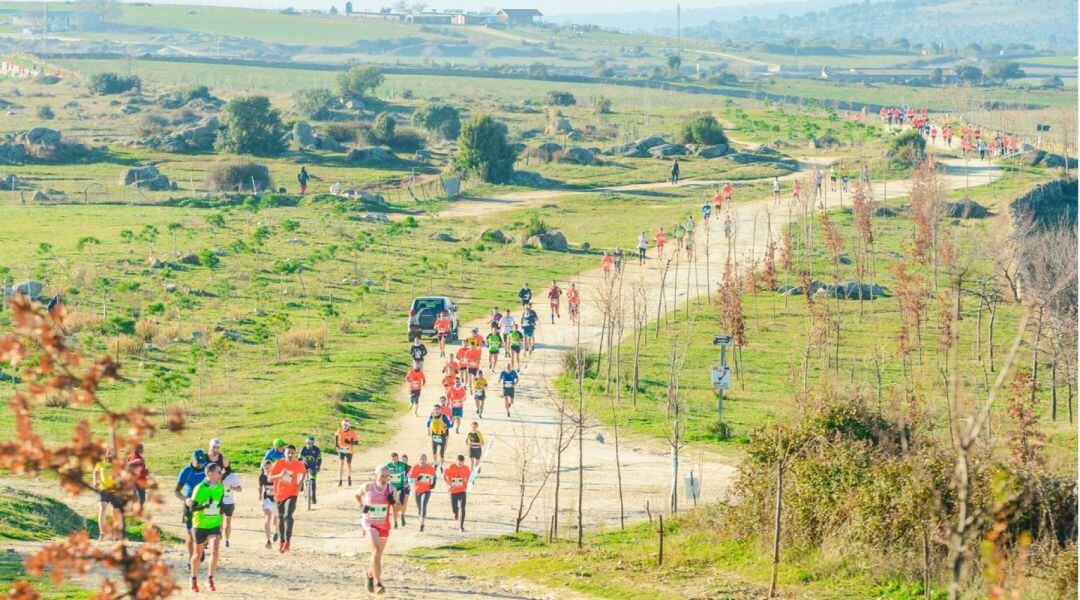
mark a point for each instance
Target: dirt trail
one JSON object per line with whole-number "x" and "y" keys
{"x": 329, "y": 556}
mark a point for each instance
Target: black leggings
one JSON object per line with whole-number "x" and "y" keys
{"x": 438, "y": 448}
{"x": 421, "y": 503}
{"x": 286, "y": 508}
{"x": 457, "y": 499}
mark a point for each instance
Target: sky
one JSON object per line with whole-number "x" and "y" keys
{"x": 548, "y": 7}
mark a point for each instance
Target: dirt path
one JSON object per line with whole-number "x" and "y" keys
{"x": 329, "y": 555}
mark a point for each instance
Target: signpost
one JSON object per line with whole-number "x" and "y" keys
{"x": 721, "y": 374}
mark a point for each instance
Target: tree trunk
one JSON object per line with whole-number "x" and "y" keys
{"x": 776, "y": 527}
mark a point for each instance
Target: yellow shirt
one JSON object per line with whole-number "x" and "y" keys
{"x": 104, "y": 472}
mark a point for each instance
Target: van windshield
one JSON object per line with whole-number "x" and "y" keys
{"x": 427, "y": 304}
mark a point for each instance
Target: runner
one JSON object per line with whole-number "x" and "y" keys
{"x": 516, "y": 341}
{"x": 423, "y": 479}
{"x": 475, "y": 441}
{"x": 573, "y": 299}
{"x": 416, "y": 380}
{"x": 832, "y": 176}
{"x": 661, "y": 239}
{"x": 276, "y": 452}
{"x": 106, "y": 488}
{"x": 776, "y": 188}
{"x": 718, "y": 201}
{"x": 529, "y": 320}
{"x": 642, "y": 247}
{"x": 406, "y": 488}
{"x": 344, "y": 440}
{"x": 231, "y": 484}
{"x": 399, "y": 480}
{"x": 312, "y": 457}
{"x": 508, "y": 378}
{"x": 796, "y": 190}
{"x": 618, "y": 259}
{"x": 288, "y": 474}
{"x": 457, "y": 477}
{"x": 136, "y": 465}
{"x": 674, "y": 176}
{"x": 729, "y": 193}
{"x": 205, "y": 506}
{"x": 456, "y": 396}
{"x": 442, "y": 331}
{"x": 190, "y": 476}
{"x": 480, "y": 393}
{"x": 269, "y": 507}
{"x": 303, "y": 178}
{"x": 494, "y": 342}
{"x": 844, "y": 177}
{"x": 506, "y": 323}
{"x": 606, "y": 263}
{"x": 706, "y": 212}
{"x": 476, "y": 339}
{"x": 449, "y": 374}
{"x": 461, "y": 363}
{"x": 376, "y": 498}
{"x": 473, "y": 357}
{"x": 554, "y": 295}
{"x": 213, "y": 452}
{"x": 438, "y": 426}
{"x": 418, "y": 351}
{"x": 525, "y": 295}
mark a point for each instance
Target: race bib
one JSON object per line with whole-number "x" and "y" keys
{"x": 424, "y": 478}
{"x": 438, "y": 439}
{"x": 377, "y": 512}
{"x": 457, "y": 481}
{"x": 395, "y": 477}
{"x": 212, "y": 510}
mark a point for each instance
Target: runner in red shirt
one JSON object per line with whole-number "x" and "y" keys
{"x": 416, "y": 380}
{"x": 729, "y": 192}
{"x": 456, "y": 396}
{"x": 661, "y": 239}
{"x": 554, "y": 294}
{"x": 573, "y": 301}
{"x": 287, "y": 474}
{"x": 442, "y": 331}
{"x": 606, "y": 263}
{"x": 473, "y": 356}
{"x": 457, "y": 477}
{"x": 422, "y": 478}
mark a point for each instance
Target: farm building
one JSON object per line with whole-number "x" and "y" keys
{"x": 519, "y": 16}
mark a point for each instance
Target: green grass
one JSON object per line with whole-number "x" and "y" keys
{"x": 12, "y": 571}
{"x": 28, "y": 516}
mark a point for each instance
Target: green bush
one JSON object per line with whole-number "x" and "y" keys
{"x": 355, "y": 83}
{"x": 484, "y": 150}
{"x": 237, "y": 175}
{"x": 314, "y": 103}
{"x": 561, "y": 98}
{"x": 103, "y": 84}
{"x": 704, "y": 130}
{"x": 441, "y": 119}
{"x": 197, "y": 92}
{"x": 46, "y": 112}
{"x": 384, "y": 127}
{"x": 251, "y": 126}
{"x": 907, "y": 149}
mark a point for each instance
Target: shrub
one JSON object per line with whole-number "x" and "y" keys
{"x": 344, "y": 133}
{"x": 150, "y": 124}
{"x": 384, "y": 127}
{"x": 703, "y": 129}
{"x": 441, "y": 119}
{"x": 484, "y": 150}
{"x": 535, "y": 226}
{"x": 197, "y": 92}
{"x": 299, "y": 341}
{"x": 907, "y": 149}
{"x": 251, "y": 126}
{"x": 355, "y": 83}
{"x": 578, "y": 358}
{"x": 408, "y": 140}
{"x": 45, "y": 112}
{"x": 560, "y": 98}
{"x": 103, "y": 84}
{"x": 314, "y": 103}
{"x": 603, "y": 105}
{"x": 237, "y": 174}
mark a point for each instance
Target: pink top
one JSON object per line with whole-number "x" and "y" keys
{"x": 378, "y": 502}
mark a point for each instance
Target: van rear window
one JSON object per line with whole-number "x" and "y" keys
{"x": 427, "y": 304}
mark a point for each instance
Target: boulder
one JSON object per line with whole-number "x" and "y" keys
{"x": 559, "y": 125}
{"x": 848, "y": 290}
{"x": 666, "y": 150}
{"x": 328, "y": 144}
{"x": 375, "y": 218}
{"x": 966, "y": 208}
{"x": 442, "y": 236}
{"x": 40, "y": 136}
{"x": 27, "y": 288}
{"x": 844, "y": 259}
{"x": 714, "y": 151}
{"x": 40, "y": 196}
{"x": 553, "y": 240}
{"x": 1033, "y": 156}
{"x": 303, "y": 135}
{"x": 884, "y": 211}
{"x": 493, "y": 235}
{"x": 579, "y": 155}
{"x": 371, "y": 155}
{"x": 646, "y": 143}
{"x": 530, "y": 179}
{"x": 11, "y": 152}
{"x": 550, "y": 147}
{"x": 147, "y": 177}
{"x": 826, "y": 141}
{"x": 198, "y": 137}
{"x": 189, "y": 259}
{"x": 575, "y": 136}
{"x": 529, "y": 134}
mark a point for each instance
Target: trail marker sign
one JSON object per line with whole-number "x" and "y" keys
{"x": 721, "y": 377}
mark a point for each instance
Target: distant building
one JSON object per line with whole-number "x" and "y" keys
{"x": 519, "y": 16}
{"x": 59, "y": 20}
{"x": 382, "y": 15}
{"x": 429, "y": 18}
{"x": 473, "y": 18}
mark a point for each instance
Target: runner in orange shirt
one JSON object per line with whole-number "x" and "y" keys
{"x": 606, "y": 263}
{"x": 416, "y": 381}
{"x": 457, "y": 477}
{"x": 449, "y": 373}
{"x": 473, "y": 357}
{"x": 456, "y": 396}
{"x": 729, "y": 192}
{"x": 287, "y": 474}
{"x": 718, "y": 203}
{"x": 573, "y": 302}
{"x": 422, "y": 477}
{"x": 344, "y": 440}
{"x": 442, "y": 331}
{"x": 661, "y": 239}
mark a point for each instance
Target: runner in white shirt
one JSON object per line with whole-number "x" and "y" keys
{"x": 228, "y": 501}
{"x": 506, "y": 325}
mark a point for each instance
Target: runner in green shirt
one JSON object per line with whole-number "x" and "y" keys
{"x": 516, "y": 338}
{"x": 205, "y": 503}
{"x": 494, "y": 342}
{"x": 399, "y": 473}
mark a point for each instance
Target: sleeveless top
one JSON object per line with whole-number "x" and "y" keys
{"x": 378, "y": 502}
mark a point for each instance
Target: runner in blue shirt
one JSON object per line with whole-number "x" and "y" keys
{"x": 508, "y": 378}
{"x": 190, "y": 476}
{"x": 528, "y": 326}
{"x": 706, "y": 212}
{"x": 276, "y": 453}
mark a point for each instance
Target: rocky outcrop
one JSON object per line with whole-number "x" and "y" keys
{"x": 147, "y": 177}
{"x": 848, "y": 290}
{"x": 554, "y": 241}
{"x": 372, "y": 155}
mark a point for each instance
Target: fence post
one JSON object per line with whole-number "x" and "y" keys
{"x": 661, "y": 556}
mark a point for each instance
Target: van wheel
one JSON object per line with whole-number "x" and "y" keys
{"x": 454, "y": 336}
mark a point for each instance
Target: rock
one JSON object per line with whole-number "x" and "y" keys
{"x": 575, "y": 136}
{"x": 303, "y": 135}
{"x": 297, "y": 241}
{"x": 156, "y": 263}
{"x": 11, "y": 152}
{"x": 666, "y": 150}
{"x": 559, "y": 125}
{"x": 371, "y": 155}
{"x": 199, "y": 137}
{"x": 28, "y": 288}
{"x": 826, "y": 141}
{"x": 586, "y": 246}
{"x": 442, "y": 236}
{"x": 170, "y": 287}
{"x": 40, "y": 136}
{"x": 578, "y": 155}
{"x": 375, "y": 218}
{"x": 530, "y": 179}
{"x": 714, "y": 151}
{"x": 966, "y": 209}
{"x": 328, "y": 144}
{"x": 189, "y": 259}
{"x": 844, "y": 259}
{"x": 40, "y": 196}
{"x": 493, "y": 235}
{"x": 646, "y": 143}
{"x": 553, "y": 240}
{"x": 550, "y": 147}
{"x": 884, "y": 211}
{"x": 1033, "y": 157}
{"x": 8, "y": 182}
{"x": 849, "y": 290}
{"x": 147, "y": 177}
{"x": 1057, "y": 161}
{"x": 529, "y": 134}
{"x": 370, "y": 198}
